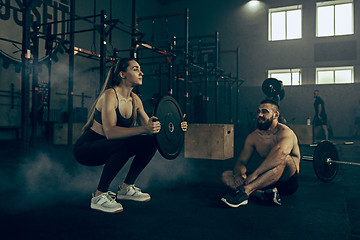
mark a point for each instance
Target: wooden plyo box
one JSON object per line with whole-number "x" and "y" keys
{"x": 209, "y": 141}
{"x": 303, "y": 132}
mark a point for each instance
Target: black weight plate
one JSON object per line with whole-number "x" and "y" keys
{"x": 325, "y": 171}
{"x": 271, "y": 87}
{"x": 170, "y": 139}
{"x": 282, "y": 94}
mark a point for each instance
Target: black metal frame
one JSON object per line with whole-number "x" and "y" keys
{"x": 136, "y": 43}
{"x": 136, "y": 36}
{"x": 27, "y": 35}
{"x": 26, "y": 67}
{"x": 25, "y": 76}
{"x": 211, "y": 73}
{"x": 205, "y": 70}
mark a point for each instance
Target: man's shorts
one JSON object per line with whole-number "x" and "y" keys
{"x": 287, "y": 187}
{"x": 320, "y": 121}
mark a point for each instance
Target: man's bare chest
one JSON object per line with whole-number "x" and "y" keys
{"x": 264, "y": 145}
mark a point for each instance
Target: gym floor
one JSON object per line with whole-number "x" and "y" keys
{"x": 46, "y": 195}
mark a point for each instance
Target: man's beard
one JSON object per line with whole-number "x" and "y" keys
{"x": 265, "y": 125}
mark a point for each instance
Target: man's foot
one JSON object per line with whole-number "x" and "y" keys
{"x": 106, "y": 202}
{"x": 272, "y": 196}
{"x": 236, "y": 199}
{"x": 132, "y": 193}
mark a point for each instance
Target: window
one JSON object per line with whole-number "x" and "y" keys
{"x": 289, "y": 77}
{"x": 335, "y": 75}
{"x": 285, "y": 23}
{"x": 334, "y": 18}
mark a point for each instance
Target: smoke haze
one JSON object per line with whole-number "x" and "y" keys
{"x": 49, "y": 178}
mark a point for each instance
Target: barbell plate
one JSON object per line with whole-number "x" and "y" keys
{"x": 282, "y": 94}
{"x": 170, "y": 139}
{"x": 272, "y": 87}
{"x": 325, "y": 171}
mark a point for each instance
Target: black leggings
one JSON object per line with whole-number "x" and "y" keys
{"x": 93, "y": 149}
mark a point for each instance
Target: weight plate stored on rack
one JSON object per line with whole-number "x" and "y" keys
{"x": 272, "y": 87}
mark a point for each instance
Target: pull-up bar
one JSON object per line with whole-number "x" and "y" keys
{"x": 162, "y": 16}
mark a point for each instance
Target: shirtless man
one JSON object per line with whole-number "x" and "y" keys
{"x": 277, "y": 174}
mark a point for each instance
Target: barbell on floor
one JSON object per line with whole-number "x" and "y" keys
{"x": 326, "y": 161}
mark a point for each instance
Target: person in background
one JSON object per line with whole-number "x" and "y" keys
{"x": 320, "y": 118}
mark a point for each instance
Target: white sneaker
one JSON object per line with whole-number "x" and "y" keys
{"x": 106, "y": 202}
{"x": 132, "y": 193}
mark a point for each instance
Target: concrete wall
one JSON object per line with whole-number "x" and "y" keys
{"x": 306, "y": 53}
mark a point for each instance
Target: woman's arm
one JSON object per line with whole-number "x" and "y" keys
{"x": 142, "y": 116}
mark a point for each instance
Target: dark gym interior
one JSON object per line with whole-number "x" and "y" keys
{"x": 213, "y": 57}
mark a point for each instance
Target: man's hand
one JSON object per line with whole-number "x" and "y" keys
{"x": 239, "y": 180}
{"x": 232, "y": 180}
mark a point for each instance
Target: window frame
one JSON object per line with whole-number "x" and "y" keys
{"x": 284, "y": 9}
{"x": 334, "y": 3}
{"x": 288, "y": 70}
{"x": 334, "y": 69}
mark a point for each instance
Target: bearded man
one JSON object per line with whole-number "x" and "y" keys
{"x": 276, "y": 174}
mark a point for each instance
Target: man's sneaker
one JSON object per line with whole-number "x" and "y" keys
{"x": 106, "y": 202}
{"x": 236, "y": 199}
{"x": 132, "y": 193}
{"x": 272, "y": 196}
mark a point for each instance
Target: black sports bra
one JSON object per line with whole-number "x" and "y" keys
{"x": 120, "y": 120}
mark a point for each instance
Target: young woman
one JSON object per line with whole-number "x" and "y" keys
{"x": 118, "y": 128}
